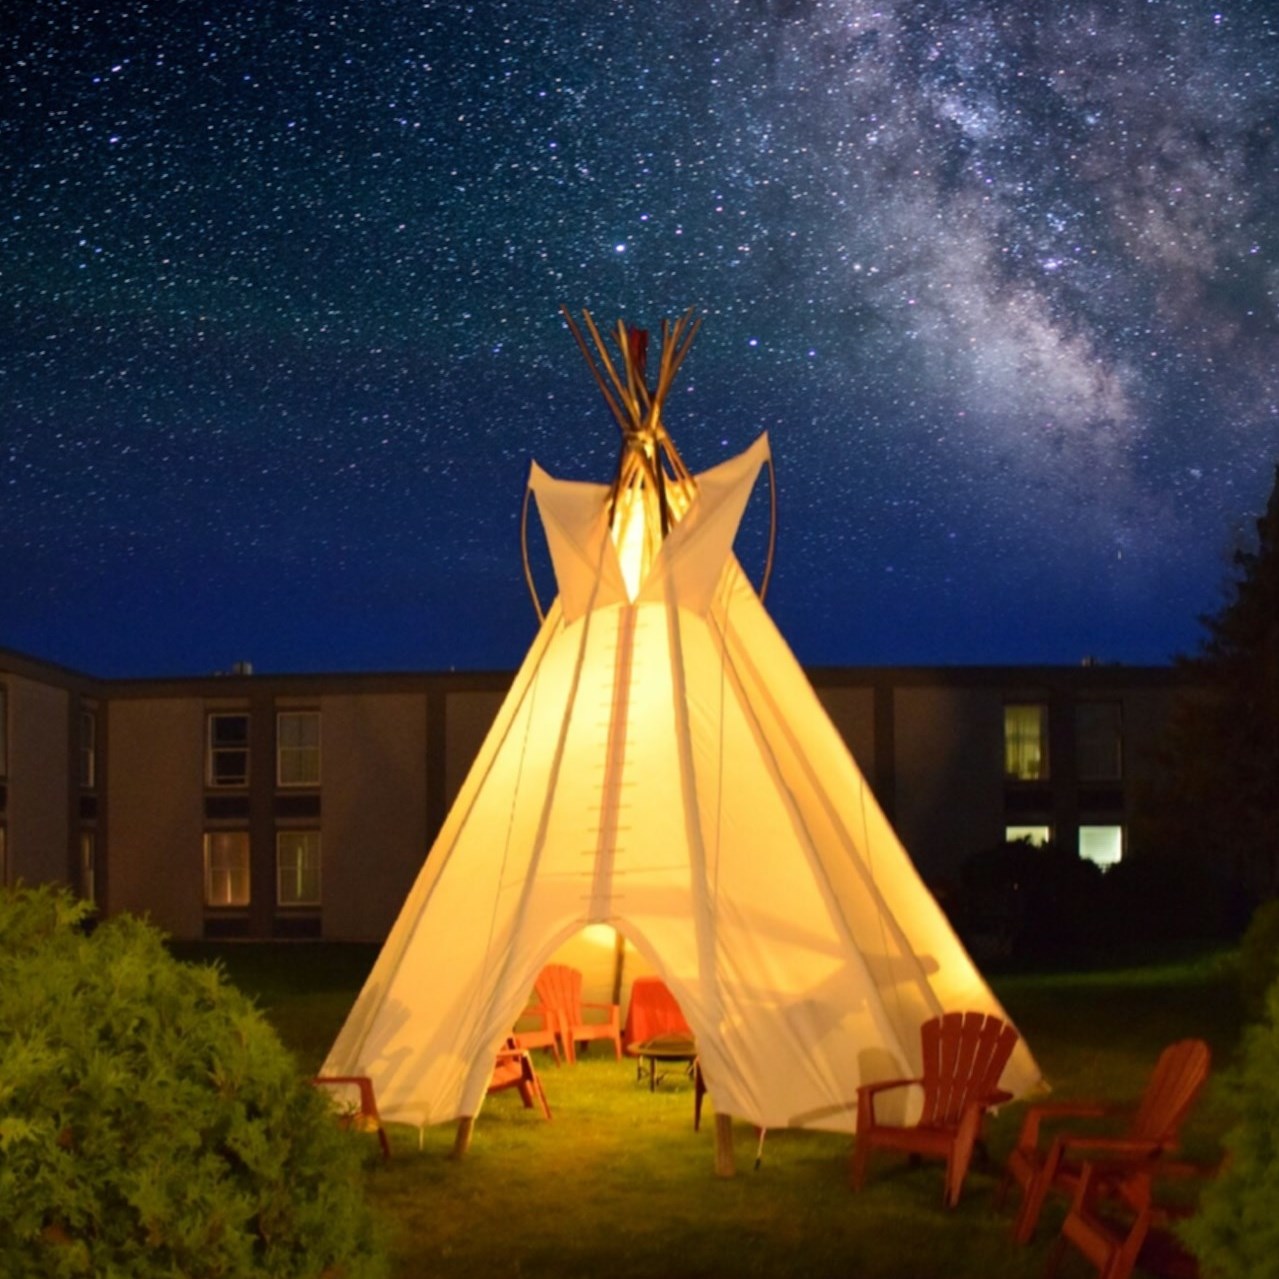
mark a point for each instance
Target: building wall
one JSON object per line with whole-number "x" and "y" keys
{"x": 1145, "y": 719}
{"x": 395, "y": 750}
{"x": 38, "y": 808}
{"x": 468, "y": 717}
{"x": 1145, "y": 715}
{"x": 949, "y": 774}
{"x": 374, "y": 804}
{"x": 155, "y": 798}
{"x": 852, "y": 711}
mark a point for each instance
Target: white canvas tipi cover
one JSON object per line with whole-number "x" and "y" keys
{"x": 661, "y": 764}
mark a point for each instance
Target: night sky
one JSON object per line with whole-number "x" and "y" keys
{"x": 279, "y": 329}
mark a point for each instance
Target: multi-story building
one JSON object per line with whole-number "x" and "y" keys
{"x": 245, "y": 805}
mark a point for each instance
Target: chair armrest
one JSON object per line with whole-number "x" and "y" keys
{"x": 1113, "y": 1151}
{"x": 1028, "y": 1137}
{"x": 612, "y": 1009}
{"x": 552, "y": 1019}
{"x": 866, "y": 1094}
{"x": 340, "y": 1079}
{"x": 883, "y": 1085}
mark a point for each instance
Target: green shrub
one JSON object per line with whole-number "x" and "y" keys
{"x": 1157, "y": 901}
{"x": 1259, "y": 957}
{"x": 1235, "y": 1233}
{"x": 151, "y": 1123}
{"x": 1029, "y": 903}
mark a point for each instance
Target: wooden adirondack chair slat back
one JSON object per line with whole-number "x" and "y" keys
{"x": 1178, "y": 1078}
{"x": 964, "y": 1056}
{"x": 560, "y": 987}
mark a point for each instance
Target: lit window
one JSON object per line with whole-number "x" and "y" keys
{"x": 4, "y": 731}
{"x": 1103, "y": 845}
{"x": 88, "y": 860}
{"x": 88, "y": 749}
{"x": 1099, "y": 741}
{"x": 298, "y": 748}
{"x": 297, "y": 860}
{"x": 1026, "y": 741}
{"x": 226, "y": 868}
{"x": 228, "y": 761}
{"x": 1036, "y": 835}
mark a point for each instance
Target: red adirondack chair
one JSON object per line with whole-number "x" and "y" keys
{"x": 964, "y": 1055}
{"x": 514, "y": 1069}
{"x": 1178, "y": 1078}
{"x": 363, "y": 1115}
{"x": 559, "y": 990}
{"x": 1114, "y": 1223}
{"x": 545, "y": 1035}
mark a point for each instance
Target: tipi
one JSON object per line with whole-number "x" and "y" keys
{"x": 661, "y": 764}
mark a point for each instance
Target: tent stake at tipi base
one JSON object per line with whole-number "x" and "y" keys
{"x": 462, "y": 1142}
{"x": 724, "y": 1165}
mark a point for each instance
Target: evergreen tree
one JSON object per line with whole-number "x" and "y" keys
{"x": 1219, "y": 793}
{"x": 1235, "y": 1232}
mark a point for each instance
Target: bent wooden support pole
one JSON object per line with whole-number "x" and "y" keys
{"x": 724, "y": 1165}
{"x": 462, "y": 1142}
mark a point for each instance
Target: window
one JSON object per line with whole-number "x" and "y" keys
{"x": 4, "y": 731}
{"x": 226, "y": 868}
{"x": 1099, "y": 741}
{"x": 1034, "y": 835}
{"x": 297, "y": 861}
{"x": 1102, "y": 844}
{"x": 88, "y": 861}
{"x": 88, "y": 750}
{"x": 228, "y": 761}
{"x": 297, "y": 736}
{"x": 1026, "y": 741}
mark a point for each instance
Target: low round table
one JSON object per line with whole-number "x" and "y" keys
{"x": 662, "y": 1048}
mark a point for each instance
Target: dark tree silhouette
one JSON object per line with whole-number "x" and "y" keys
{"x": 1218, "y": 795}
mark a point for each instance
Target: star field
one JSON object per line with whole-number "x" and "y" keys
{"x": 279, "y": 330}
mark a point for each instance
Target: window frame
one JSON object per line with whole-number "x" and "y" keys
{"x": 1102, "y": 826}
{"x": 297, "y": 752}
{"x": 229, "y": 900}
{"x": 1082, "y": 757}
{"x": 1018, "y": 744}
{"x": 310, "y": 841}
{"x": 89, "y": 865}
{"x": 213, "y": 752}
{"x": 1036, "y": 834}
{"x": 88, "y": 748}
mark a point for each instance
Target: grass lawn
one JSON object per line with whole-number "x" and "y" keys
{"x": 618, "y": 1183}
